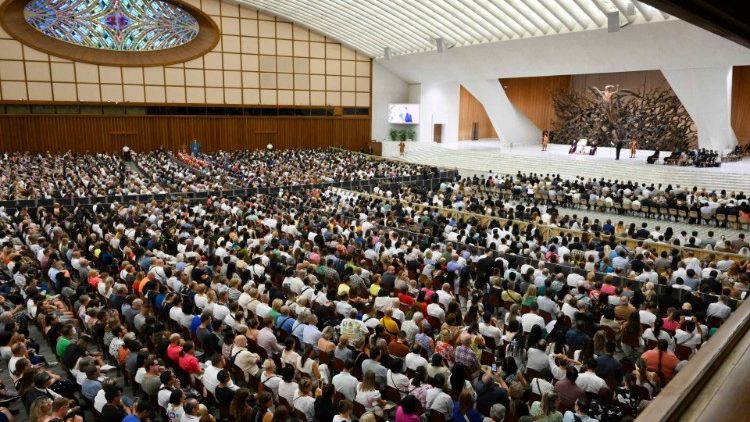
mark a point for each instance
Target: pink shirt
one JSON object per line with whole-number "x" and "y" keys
{"x": 404, "y": 417}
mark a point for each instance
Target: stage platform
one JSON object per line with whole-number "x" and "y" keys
{"x": 481, "y": 157}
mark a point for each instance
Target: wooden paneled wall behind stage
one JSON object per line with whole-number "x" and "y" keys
{"x": 741, "y": 103}
{"x": 470, "y": 110}
{"x": 143, "y": 133}
{"x": 533, "y": 96}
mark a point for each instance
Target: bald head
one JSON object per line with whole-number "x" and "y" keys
{"x": 240, "y": 341}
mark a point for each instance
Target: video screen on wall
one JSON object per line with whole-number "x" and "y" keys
{"x": 405, "y": 114}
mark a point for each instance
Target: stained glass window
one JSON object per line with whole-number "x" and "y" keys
{"x": 121, "y": 25}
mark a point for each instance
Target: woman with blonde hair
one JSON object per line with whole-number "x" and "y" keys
{"x": 342, "y": 350}
{"x": 303, "y": 400}
{"x": 368, "y": 394}
{"x": 530, "y": 296}
{"x": 325, "y": 342}
{"x": 40, "y": 410}
{"x": 649, "y": 292}
{"x": 269, "y": 378}
{"x": 368, "y": 417}
{"x": 275, "y": 311}
{"x": 105, "y": 287}
{"x": 545, "y": 409}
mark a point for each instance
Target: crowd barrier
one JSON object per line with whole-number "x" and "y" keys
{"x": 551, "y": 231}
{"x": 427, "y": 180}
{"x": 679, "y": 214}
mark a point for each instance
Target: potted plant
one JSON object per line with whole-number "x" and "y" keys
{"x": 394, "y": 134}
{"x": 410, "y": 134}
{"x": 402, "y": 135}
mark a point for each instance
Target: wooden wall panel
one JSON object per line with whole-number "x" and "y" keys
{"x": 470, "y": 110}
{"x": 741, "y": 103}
{"x": 533, "y": 96}
{"x": 40, "y": 133}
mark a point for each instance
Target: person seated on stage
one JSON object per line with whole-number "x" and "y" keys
{"x": 673, "y": 158}
{"x": 653, "y": 158}
{"x": 573, "y": 146}
{"x": 592, "y": 150}
{"x": 582, "y": 146}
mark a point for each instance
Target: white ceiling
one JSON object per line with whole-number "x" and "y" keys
{"x": 412, "y": 26}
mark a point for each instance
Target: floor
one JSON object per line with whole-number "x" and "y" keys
{"x": 482, "y": 157}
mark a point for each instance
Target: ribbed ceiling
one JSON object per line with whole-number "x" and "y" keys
{"x": 413, "y": 26}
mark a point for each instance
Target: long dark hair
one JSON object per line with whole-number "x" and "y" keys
{"x": 458, "y": 378}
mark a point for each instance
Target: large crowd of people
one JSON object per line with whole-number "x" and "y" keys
{"x": 49, "y": 176}
{"x": 264, "y": 168}
{"x": 336, "y": 305}
{"x": 26, "y": 176}
{"x": 667, "y": 202}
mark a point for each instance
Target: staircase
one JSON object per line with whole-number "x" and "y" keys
{"x": 730, "y": 176}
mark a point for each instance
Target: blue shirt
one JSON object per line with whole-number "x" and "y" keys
{"x": 472, "y": 415}
{"x": 286, "y": 323}
{"x": 90, "y": 388}
{"x": 131, "y": 418}
{"x": 195, "y": 324}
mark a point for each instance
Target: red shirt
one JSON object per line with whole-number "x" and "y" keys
{"x": 94, "y": 282}
{"x": 173, "y": 352}
{"x": 190, "y": 364}
{"x": 668, "y": 362}
{"x": 406, "y": 299}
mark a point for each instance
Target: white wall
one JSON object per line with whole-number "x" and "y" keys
{"x": 439, "y": 104}
{"x": 707, "y": 95}
{"x": 674, "y": 47}
{"x": 387, "y": 88}
{"x": 664, "y": 45}
{"x": 511, "y": 125}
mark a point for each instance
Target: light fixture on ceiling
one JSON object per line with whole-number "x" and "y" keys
{"x": 615, "y": 21}
{"x": 441, "y": 44}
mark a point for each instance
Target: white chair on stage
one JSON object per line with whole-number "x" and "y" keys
{"x": 582, "y": 146}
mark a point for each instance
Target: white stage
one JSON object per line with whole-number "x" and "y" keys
{"x": 479, "y": 157}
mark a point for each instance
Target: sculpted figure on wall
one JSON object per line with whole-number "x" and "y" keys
{"x": 656, "y": 117}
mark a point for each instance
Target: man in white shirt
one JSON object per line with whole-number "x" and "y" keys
{"x": 588, "y": 381}
{"x": 311, "y": 333}
{"x": 570, "y": 308}
{"x": 243, "y": 358}
{"x": 210, "y": 374}
{"x": 437, "y": 399}
{"x": 647, "y": 316}
{"x": 345, "y": 383}
{"x": 444, "y": 295}
{"x": 411, "y": 326}
{"x": 719, "y": 309}
{"x": 547, "y": 303}
{"x": 488, "y": 328}
{"x": 531, "y": 318}
{"x": 414, "y": 359}
{"x": 691, "y": 336}
{"x": 343, "y": 307}
{"x": 435, "y": 310}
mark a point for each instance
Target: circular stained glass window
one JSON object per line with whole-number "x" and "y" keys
{"x": 119, "y": 25}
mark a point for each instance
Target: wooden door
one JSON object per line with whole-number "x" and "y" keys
{"x": 437, "y": 133}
